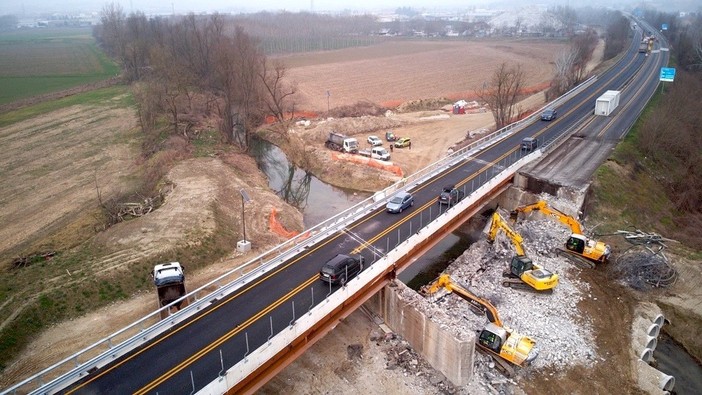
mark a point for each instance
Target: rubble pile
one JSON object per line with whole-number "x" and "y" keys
{"x": 399, "y": 355}
{"x": 562, "y": 335}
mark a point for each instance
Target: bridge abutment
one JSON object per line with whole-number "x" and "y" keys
{"x": 408, "y": 314}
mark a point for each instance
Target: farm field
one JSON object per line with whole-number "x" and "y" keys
{"x": 38, "y": 61}
{"x": 396, "y": 71}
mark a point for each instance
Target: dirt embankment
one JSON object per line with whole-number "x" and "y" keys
{"x": 53, "y": 163}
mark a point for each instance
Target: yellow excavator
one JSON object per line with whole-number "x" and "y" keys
{"x": 582, "y": 251}
{"x": 522, "y": 272}
{"x": 503, "y": 344}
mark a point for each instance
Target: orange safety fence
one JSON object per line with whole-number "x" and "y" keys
{"x": 395, "y": 169}
{"x": 276, "y": 227}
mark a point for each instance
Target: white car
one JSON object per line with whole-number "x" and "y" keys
{"x": 374, "y": 141}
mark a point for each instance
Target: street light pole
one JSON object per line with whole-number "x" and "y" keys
{"x": 244, "y": 245}
{"x": 243, "y": 217}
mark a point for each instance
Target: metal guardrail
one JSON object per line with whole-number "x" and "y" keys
{"x": 302, "y": 323}
{"x": 71, "y": 369}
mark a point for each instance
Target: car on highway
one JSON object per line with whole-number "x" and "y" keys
{"x": 549, "y": 114}
{"x": 529, "y": 144}
{"x": 374, "y": 141}
{"x": 341, "y": 268}
{"x": 399, "y": 202}
{"x": 402, "y": 142}
{"x": 450, "y": 195}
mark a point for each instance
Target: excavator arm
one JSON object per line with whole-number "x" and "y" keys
{"x": 445, "y": 281}
{"x": 542, "y": 206}
{"x": 581, "y": 250}
{"x": 499, "y": 223}
{"x": 504, "y": 345}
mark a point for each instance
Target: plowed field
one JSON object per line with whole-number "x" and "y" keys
{"x": 393, "y": 72}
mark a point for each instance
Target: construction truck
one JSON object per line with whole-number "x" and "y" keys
{"x": 581, "y": 250}
{"x": 522, "y": 272}
{"x": 341, "y": 143}
{"x": 170, "y": 284}
{"x": 505, "y": 346}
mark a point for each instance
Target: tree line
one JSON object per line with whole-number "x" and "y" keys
{"x": 671, "y": 135}
{"x": 186, "y": 67}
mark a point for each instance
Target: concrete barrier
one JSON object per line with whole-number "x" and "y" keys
{"x": 442, "y": 349}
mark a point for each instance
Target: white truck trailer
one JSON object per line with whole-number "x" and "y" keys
{"x": 607, "y": 103}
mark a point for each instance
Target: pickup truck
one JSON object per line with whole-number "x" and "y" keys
{"x": 376, "y": 153}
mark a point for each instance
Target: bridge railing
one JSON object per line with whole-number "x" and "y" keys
{"x": 306, "y": 318}
{"x": 104, "y": 351}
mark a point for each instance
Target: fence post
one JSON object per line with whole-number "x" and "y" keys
{"x": 312, "y": 304}
{"x": 270, "y": 318}
{"x": 293, "y": 317}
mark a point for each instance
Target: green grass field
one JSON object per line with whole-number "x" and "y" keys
{"x": 38, "y": 61}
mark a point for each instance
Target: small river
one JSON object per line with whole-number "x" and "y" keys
{"x": 672, "y": 359}
{"x": 319, "y": 201}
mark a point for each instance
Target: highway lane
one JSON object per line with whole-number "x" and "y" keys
{"x": 576, "y": 160}
{"x": 190, "y": 352}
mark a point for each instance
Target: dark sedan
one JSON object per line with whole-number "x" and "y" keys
{"x": 549, "y": 114}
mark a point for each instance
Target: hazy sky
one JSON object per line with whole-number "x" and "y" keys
{"x": 25, "y": 7}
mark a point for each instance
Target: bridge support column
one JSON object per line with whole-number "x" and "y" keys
{"x": 404, "y": 311}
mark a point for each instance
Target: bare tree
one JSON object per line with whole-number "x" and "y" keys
{"x": 135, "y": 57}
{"x": 583, "y": 45}
{"x": 237, "y": 65}
{"x": 112, "y": 19}
{"x": 563, "y": 65}
{"x": 696, "y": 62}
{"x": 570, "y": 66}
{"x": 278, "y": 93}
{"x": 502, "y": 92}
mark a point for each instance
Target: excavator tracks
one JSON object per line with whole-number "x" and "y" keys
{"x": 577, "y": 260}
{"x": 501, "y": 365}
{"x": 516, "y": 283}
{"x": 511, "y": 281}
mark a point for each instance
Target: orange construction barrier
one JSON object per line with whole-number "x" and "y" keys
{"x": 363, "y": 160}
{"x": 278, "y": 228}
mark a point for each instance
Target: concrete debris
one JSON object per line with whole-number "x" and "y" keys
{"x": 400, "y": 355}
{"x": 562, "y": 335}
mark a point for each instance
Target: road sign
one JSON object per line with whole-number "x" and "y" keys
{"x": 664, "y": 26}
{"x": 667, "y": 74}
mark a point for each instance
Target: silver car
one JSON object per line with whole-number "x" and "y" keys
{"x": 399, "y": 202}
